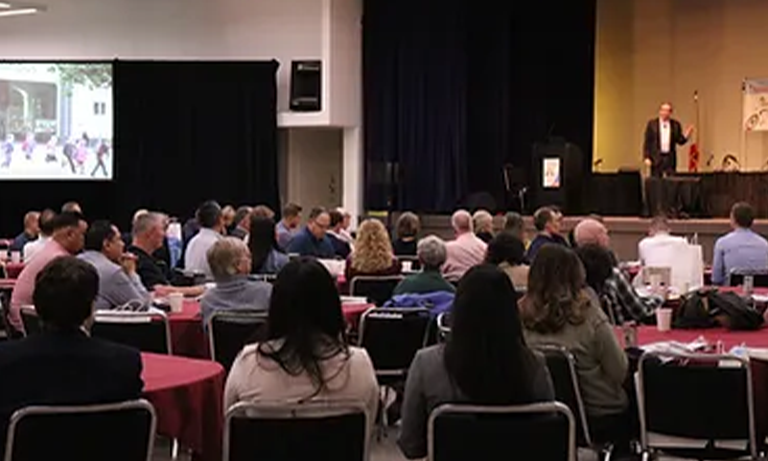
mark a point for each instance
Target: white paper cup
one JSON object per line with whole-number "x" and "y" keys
{"x": 15, "y": 257}
{"x": 176, "y": 300}
{"x": 664, "y": 319}
{"x": 407, "y": 266}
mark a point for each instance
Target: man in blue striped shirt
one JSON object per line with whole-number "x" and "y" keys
{"x": 741, "y": 249}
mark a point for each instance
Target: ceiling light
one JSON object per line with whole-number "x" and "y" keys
{"x": 18, "y": 12}
{"x": 5, "y": 5}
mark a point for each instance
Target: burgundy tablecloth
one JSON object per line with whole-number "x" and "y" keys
{"x": 12, "y": 270}
{"x": 188, "y": 335}
{"x": 188, "y": 396}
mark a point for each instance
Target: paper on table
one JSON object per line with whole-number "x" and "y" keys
{"x": 760, "y": 298}
{"x": 354, "y": 300}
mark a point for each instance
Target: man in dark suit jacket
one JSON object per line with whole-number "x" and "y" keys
{"x": 662, "y": 136}
{"x": 62, "y": 365}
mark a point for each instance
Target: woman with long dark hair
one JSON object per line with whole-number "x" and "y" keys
{"x": 485, "y": 361}
{"x": 262, "y": 241}
{"x": 305, "y": 356}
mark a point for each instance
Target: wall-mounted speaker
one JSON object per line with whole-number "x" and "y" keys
{"x": 306, "y": 87}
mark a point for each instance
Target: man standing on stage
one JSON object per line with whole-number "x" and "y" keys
{"x": 662, "y": 135}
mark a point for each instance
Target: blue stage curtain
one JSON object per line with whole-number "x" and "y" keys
{"x": 456, "y": 89}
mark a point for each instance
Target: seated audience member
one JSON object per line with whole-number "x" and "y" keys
{"x": 288, "y": 226}
{"x": 63, "y": 365}
{"x": 266, "y": 256}
{"x": 242, "y": 226}
{"x": 30, "y": 233}
{"x": 68, "y": 239}
{"x": 340, "y": 246}
{"x": 508, "y": 252}
{"x": 227, "y": 218}
{"x": 466, "y": 250}
{"x": 741, "y": 249}
{"x": 211, "y": 230}
{"x": 345, "y": 224}
{"x": 485, "y": 361}
{"x": 483, "y": 222}
{"x": 617, "y": 292}
{"x": 515, "y": 225}
{"x": 658, "y": 242}
{"x": 373, "y": 252}
{"x": 312, "y": 239}
{"x": 119, "y": 284}
{"x": 44, "y": 236}
{"x": 71, "y": 207}
{"x": 163, "y": 253}
{"x": 548, "y": 223}
{"x": 230, "y": 262}
{"x": 432, "y": 254}
{"x": 559, "y": 310}
{"x": 406, "y": 232}
{"x": 148, "y": 236}
{"x": 306, "y": 356}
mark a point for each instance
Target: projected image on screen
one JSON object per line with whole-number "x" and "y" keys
{"x": 55, "y": 121}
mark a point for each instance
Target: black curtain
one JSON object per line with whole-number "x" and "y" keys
{"x": 192, "y": 131}
{"x": 185, "y": 132}
{"x": 456, "y": 89}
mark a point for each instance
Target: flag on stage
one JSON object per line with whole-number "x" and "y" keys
{"x": 693, "y": 158}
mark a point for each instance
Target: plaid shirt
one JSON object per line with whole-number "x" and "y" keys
{"x": 626, "y": 305}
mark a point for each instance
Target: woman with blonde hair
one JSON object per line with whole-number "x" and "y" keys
{"x": 373, "y": 253}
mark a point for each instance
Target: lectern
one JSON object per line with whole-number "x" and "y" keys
{"x": 558, "y": 176}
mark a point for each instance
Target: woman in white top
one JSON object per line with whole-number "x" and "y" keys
{"x": 306, "y": 357}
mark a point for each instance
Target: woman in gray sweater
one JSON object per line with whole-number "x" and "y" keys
{"x": 484, "y": 362}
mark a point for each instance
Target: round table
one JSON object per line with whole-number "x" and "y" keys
{"x": 188, "y": 336}
{"x": 188, "y": 396}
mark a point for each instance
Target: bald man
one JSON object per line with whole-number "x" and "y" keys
{"x": 616, "y": 293}
{"x": 466, "y": 250}
{"x": 591, "y": 232}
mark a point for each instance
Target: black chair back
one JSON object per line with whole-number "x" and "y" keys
{"x": 562, "y": 370}
{"x": 30, "y": 320}
{"x": 229, "y": 331}
{"x": 544, "y": 431}
{"x": 377, "y": 289}
{"x": 697, "y": 397}
{"x": 115, "y": 432}
{"x": 759, "y": 278}
{"x": 147, "y": 332}
{"x": 5, "y": 311}
{"x": 392, "y": 336}
{"x": 335, "y": 431}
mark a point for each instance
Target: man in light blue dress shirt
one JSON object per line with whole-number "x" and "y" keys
{"x": 119, "y": 284}
{"x": 288, "y": 227}
{"x": 741, "y": 249}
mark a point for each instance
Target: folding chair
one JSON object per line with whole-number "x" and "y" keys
{"x": 5, "y": 311}
{"x": 562, "y": 370}
{"x": 443, "y": 326}
{"x": 117, "y": 432}
{"x": 378, "y": 289}
{"x": 541, "y": 431}
{"x": 230, "y": 330}
{"x": 329, "y": 430}
{"x": 145, "y": 331}
{"x": 30, "y": 320}
{"x": 703, "y": 405}
{"x": 392, "y": 336}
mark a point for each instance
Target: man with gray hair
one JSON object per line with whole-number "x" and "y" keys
{"x": 466, "y": 251}
{"x": 432, "y": 255}
{"x": 148, "y": 237}
{"x": 230, "y": 262}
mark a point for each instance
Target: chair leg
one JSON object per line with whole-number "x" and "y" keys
{"x": 175, "y": 449}
{"x": 606, "y": 452}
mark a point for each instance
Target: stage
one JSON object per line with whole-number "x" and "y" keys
{"x": 625, "y": 232}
